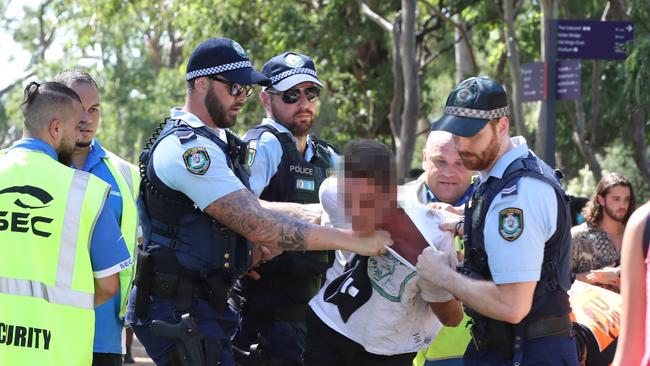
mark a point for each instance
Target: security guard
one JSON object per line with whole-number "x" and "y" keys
{"x": 287, "y": 165}
{"x": 199, "y": 219}
{"x": 124, "y": 178}
{"x": 517, "y": 230}
{"x": 445, "y": 180}
{"x": 57, "y": 233}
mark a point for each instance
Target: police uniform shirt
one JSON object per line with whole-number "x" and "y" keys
{"x": 395, "y": 319}
{"x": 518, "y": 223}
{"x": 269, "y": 155}
{"x": 205, "y": 187}
{"x": 108, "y": 252}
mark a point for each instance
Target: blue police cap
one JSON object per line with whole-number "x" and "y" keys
{"x": 472, "y": 104}
{"x": 289, "y": 69}
{"x": 226, "y": 57}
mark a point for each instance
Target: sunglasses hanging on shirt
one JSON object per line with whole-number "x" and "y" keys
{"x": 293, "y": 95}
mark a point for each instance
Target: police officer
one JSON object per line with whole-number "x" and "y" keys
{"x": 517, "y": 230}
{"x": 199, "y": 218}
{"x": 58, "y": 233}
{"x": 90, "y": 156}
{"x": 288, "y": 165}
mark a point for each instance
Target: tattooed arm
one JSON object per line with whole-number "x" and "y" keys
{"x": 307, "y": 212}
{"x": 243, "y": 213}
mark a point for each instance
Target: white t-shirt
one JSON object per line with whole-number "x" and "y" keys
{"x": 395, "y": 320}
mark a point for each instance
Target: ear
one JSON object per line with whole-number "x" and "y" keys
{"x": 424, "y": 158}
{"x": 55, "y": 129}
{"x": 503, "y": 125}
{"x": 202, "y": 83}
{"x": 265, "y": 98}
{"x": 600, "y": 199}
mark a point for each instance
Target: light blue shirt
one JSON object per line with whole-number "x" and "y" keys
{"x": 519, "y": 260}
{"x": 108, "y": 325}
{"x": 217, "y": 181}
{"x": 269, "y": 155}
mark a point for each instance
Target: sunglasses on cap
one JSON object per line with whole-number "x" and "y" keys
{"x": 293, "y": 95}
{"x": 235, "y": 89}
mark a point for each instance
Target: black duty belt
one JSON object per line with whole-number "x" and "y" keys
{"x": 557, "y": 326}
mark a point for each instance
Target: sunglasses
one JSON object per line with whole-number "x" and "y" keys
{"x": 235, "y": 89}
{"x": 293, "y": 95}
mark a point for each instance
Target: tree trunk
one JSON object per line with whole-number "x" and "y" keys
{"x": 396, "y": 103}
{"x": 517, "y": 112}
{"x": 462, "y": 51}
{"x": 404, "y": 151}
{"x": 637, "y": 121}
{"x": 549, "y": 11}
{"x": 583, "y": 144}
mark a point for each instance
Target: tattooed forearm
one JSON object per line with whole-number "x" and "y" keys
{"x": 242, "y": 213}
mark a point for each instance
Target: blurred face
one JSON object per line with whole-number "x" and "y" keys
{"x": 222, "y": 107}
{"x": 297, "y": 117}
{"x": 616, "y": 203}
{"x": 446, "y": 176}
{"x": 366, "y": 204}
{"x": 479, "y": 152}
{"x": 89, "y": 96}
{"x": 69, "y": 134}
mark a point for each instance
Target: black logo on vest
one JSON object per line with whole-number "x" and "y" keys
{"x": 18, "y": 336}
{"x": 22, "y": 222}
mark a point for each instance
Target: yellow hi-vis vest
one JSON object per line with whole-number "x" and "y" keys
{"x": 127, "y": 177}
{"x": 47, "y": 216}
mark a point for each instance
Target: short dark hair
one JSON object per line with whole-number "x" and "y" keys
{"x": 44, "y": 102}
{"x": 369, "y": 159}
{"x": 71, "y": 76}
{"x": 593, "y": 211}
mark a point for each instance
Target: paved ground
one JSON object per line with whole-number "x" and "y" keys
{"x": 139, "y": 354}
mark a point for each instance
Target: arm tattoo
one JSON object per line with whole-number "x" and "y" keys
{"x": 242, "y": 212}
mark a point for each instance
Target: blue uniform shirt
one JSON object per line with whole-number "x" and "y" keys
{"x": 519, "y": 260}
{"x": 218, "y": 180}
{"x": 108, "y": 326}
{"x": 269, "y": 156}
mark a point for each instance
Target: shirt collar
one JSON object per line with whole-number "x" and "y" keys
{"x": 194, "y": 121}
{"x": 35, "y": 144}
{"x": 280, "y": 128}
{"x": 95, "y": 156}
{"x": 520, "y": 149}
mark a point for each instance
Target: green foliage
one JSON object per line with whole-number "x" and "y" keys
{"x": 137, "y": 52}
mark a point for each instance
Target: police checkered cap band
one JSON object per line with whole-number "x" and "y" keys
{"x": 300, "y": 70}
{"x": 477, "y": 113}
{"x": 218, "y": 69}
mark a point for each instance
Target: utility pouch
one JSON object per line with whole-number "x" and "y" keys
{"x": 218, "y": 292}
{"x": 143, "y": 280}
{"x": 501, "y": 338}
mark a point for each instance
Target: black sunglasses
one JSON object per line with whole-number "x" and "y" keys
{"x": 293, "y": 95}
{"x": 235, "y": 89}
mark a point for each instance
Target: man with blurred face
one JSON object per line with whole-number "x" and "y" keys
{"x": 288, "y": 164}
{"x": 90, "y": 156}
{"x": 376, "y": 310}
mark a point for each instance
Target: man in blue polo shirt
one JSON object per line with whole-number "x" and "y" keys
{"x": 123, "y": 177}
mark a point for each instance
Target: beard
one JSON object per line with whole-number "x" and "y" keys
{"x": 65, "y": 153}
{"x": 613, "y": 215}
{"x": 483, "y": 161}
{"x": 218, "y": 111}
{"x": 297, "y": 128}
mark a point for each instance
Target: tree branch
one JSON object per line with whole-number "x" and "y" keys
{"x": 378, "y": 19}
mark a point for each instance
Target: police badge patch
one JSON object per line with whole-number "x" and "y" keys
{"x": 197, "y": 160}
{"x": 511, "y": 223}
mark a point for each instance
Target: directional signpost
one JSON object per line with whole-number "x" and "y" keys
{"x": 570, "y": 41}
